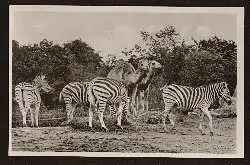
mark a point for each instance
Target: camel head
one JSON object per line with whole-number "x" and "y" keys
{"x": 143, "y": 64}
{"x": 154, "y": 65}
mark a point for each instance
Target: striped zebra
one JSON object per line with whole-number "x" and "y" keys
{"x": 27, "y": 95}
{"x": 73, "y": 94}
{"x": 177, "y": 96}
{"x": 105, "y": 91}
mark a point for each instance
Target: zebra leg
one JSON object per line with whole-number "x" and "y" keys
{"x": 207, "y": 113}
{"x": 125, "y": 111}
{"x": 24, "y": 115}
{"x": 166, "y": 114}
{"x": 36, "y": 115}
{"x": 32, "y": 116}
{"x": 70, "y": 111}
{"x": 101, "y": 109}
{"x": 201, "y": 123}
{"x": 91, "y": 116}
{"x": 112, "y": 110}
{"x": 171, "y": 118}
{"x": 119, "y": 114}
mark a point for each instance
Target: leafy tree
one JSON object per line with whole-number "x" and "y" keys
{"x": 204, "y": 62}
{"x": 74, "y": 61}
{"x": 227, "y": 50}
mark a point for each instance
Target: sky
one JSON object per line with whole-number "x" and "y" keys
{"x": 110, "y": 33}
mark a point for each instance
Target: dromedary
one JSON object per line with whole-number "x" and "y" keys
{"x": 125, "y": 72}
{"x": 143, "y": 87}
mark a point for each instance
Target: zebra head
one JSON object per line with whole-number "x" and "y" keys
{"x": 42, "y": 83}
{"x": 224, "y": 93}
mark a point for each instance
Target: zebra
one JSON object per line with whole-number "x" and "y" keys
{"x": 27, "y": 95}
{"x": 177, "y": 96}
{"x": 105, "y": 91}
{"x": 73, "y": 94}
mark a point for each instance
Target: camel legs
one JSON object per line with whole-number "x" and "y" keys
{"x": 132, "y": 105}
{"x": 146, "y": 99}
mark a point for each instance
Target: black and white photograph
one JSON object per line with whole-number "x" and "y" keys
{"x": 126, "y": 81}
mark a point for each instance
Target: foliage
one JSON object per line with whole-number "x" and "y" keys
{"x": 74, "y": 61}
{"x": 203, "y": 62}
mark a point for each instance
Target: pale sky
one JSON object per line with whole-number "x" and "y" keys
{"x": 110, "y": 33}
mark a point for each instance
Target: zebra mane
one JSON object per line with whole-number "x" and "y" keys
{"x": 27, "y": 86}
{"x": 219, "y": 84}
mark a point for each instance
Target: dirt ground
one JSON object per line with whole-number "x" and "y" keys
{"x": 139, "y": 137}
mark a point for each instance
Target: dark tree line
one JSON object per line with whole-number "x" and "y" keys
{"x": 200, "y": 63}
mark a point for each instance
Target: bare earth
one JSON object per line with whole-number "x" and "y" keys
{"x": 146, "y": 138}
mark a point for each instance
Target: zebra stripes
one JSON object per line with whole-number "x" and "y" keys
{"x": 28, "y": 97}
{"x": 73, "y": 94}
{"x": 177, "y": 96}
{"x": 105, "y": 91}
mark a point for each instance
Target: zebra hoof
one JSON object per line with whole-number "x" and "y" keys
{"x": 211, "y": 134}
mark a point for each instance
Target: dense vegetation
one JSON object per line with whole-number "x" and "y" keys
{"x": 202, "y": 62}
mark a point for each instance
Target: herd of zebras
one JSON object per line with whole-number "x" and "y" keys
{"x": 103, "y": 92}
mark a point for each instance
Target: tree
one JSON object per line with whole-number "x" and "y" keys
{"x": 227, "y": 49}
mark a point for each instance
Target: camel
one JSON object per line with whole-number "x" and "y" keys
{"x": 143, "y": 87}
{"x": 126, "y": 73}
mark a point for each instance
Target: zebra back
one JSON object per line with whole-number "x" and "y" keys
{"x": 75, "y": 91}
{"x": 27, "y": 93}
{"x": 107, "y": 90}
{"x": 190, "y": 97}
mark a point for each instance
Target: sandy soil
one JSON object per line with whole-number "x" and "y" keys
{"x": 139, "y": 137}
